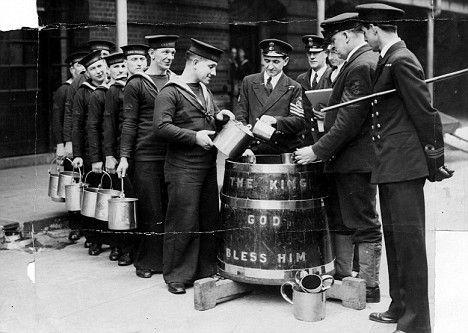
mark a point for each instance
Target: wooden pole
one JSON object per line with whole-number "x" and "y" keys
{"x": 386, "y": 92}
{"x": 121, "y": 22}
{"x": 320, "y": 15}
{"x": 430, "y": 50}
{"x": 63, "y": 53}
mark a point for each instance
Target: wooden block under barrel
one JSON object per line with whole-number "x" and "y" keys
{"x": 210, "y": 291}
{"x": 351, "y": 291}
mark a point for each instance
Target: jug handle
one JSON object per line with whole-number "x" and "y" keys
{"x": 326, "y": 278}
{"x": 122, "y": 194}
{"x": 57, "y": 166}
{"x": 110, "y": 179}
{"x": 79, "y": 171}
{"x": 286, "y": 298}
{"x": 299, "y": 275}
{"x": 86, "y": 177}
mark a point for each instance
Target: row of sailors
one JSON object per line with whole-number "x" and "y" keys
{"x": 395, "y": 142}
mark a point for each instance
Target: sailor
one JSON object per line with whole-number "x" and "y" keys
{"x": 274, "y": 98}
{"x": 317, "y": 77}
{"x": 96, "y": 69}
{"x": 346, "y": 148}
{"x": 185, "y": 114}
{"x": 139, "y": 142}
{"x": 409, "y": 148}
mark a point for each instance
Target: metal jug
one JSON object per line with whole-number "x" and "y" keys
{"x": 122, "y": 212}
{"x": 306, "y": 306}
{"x": 74, "y": 194}
{"x": 233, "y": 139}
{"x": 88, "y": 203}
{"x": 53, "y": 182}
{"x": 66, "y": 178}
{"x": 263, "y": 131}
{"x": 102, "y": 200}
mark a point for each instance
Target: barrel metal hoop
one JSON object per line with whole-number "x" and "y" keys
{"x": 268, "y": 168}
{"x": 272, "y": 204}
{"x": 273, "y": 274}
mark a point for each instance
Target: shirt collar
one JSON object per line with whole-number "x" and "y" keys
{"x": 319, "y": 73}
{"x": 354, "y": 50}
{"x": 388, "y": 46}
{"x": 274, "y": 79}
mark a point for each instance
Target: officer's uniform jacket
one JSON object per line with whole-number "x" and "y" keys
{"x": 68, "y": 113}
{"x": 79, "y": 120}
{"x": 255, "y": 102}
{"x": 404, "y": 123}
{"x": 112, "y": 120}
{"x": 94, "y": 123}
{"x": 323, "y": 83}
{"x": 138, "y": 139}
{"x": 58, "y": 112}
{"x": 178, "y": 115}
{"x": 346, "y": 145}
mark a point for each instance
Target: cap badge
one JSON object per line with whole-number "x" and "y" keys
{"x": 272, "y": 46}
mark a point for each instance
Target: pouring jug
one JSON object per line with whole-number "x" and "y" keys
{"x": 53, "y": 182}
{"x": 263, "y": 131}
{"x": 88, "y": 203}
{"x": 102, "y": 199}
{"x": 306, "y": 306}
{"x": 74, "y": 194}
{"x": 233, "y": 139}
{"x": 66, "y": 178}
{"x": 122, "y": 212}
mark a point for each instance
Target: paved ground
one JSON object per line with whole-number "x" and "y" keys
{"x": 74, "y": 292}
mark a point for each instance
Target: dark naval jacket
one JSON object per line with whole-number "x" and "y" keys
{"x": 138, "y": 139}
{"x": 178, "y": 116}
{"x": 323, "y": 83}
{"x": 255, "y": 102}
{"x": 113, "y": 119}
{"x": 58, "y": 112}
{"x": 68, "y": 113}
{"x": 79, "y": 119}
{"x": 94, "y": 123}
{"x": 404, "y": 124}
{"x": 346, "y": 146}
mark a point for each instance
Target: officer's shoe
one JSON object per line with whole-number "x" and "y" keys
{"x": 115, "y": 254}
{"x": 143, "y": 273}
{"x": 125, "y": 259}
{"x": 373, "y": 294}
{"x": 383, "y": 317}
{"x": 74, "y": 235}
{"x": 176, "y": 288}
{"x": 95, "y": 249}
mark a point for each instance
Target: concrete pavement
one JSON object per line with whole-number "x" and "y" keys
{"x": 74, "y": 292}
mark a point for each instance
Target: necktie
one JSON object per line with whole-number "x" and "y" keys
{"x": 269, "y": 86}
{"x": 314, "y": 82}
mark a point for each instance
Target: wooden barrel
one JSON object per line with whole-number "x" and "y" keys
{"x": 275, "y": 222}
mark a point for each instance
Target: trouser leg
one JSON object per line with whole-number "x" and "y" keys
{"x": 357, "y": 199}
{"x": 181, "y": 238}
{"x": 152, "y": 202}
{"x": 404, "y": 230}
{"x": 209, "y": 221}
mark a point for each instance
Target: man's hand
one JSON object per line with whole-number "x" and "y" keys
{"x": 203, "y": 140}
{"x": 320, "y": 115}
{"x": 60, "y": 151}
{"x": 305, "y": 155}
{"x": 69, "y": 149}
{"x": 224, "y": 112}
{"x": 296, "y": 110}
{"x": 268, "y": 119}
{"x": 96, "y": 167}
{"x": 111, "y": 162}
{"x": 248, "y": 152}
{"x": 122, "y": 168}
{"x": 77, "y": 162}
